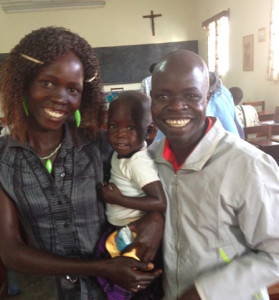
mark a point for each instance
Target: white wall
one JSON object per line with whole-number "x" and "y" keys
{"x": 246, "y": 17}
{"x": 120, "y": 22}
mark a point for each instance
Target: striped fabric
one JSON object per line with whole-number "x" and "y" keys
{"x": 61, "y": 212}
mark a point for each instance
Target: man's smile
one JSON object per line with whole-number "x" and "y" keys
{"x": 177, "y": 123}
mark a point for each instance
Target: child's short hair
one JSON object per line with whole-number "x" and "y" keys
{"x": 141, "y": 108}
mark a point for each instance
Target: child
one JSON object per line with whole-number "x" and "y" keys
{"x": 134, "y": 186}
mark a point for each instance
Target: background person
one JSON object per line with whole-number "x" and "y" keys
{"x": 221, "y": 105}
{"x": 221, "y": 237}
{"x": 247, "y": 114}
{"x": 237, "y": 94}
{"x": 146, "y": 88}
{"x": 146, "y": 82}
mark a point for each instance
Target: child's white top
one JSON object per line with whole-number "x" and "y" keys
{"x": 130, "y": 175}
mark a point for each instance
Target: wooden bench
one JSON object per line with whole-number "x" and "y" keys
{"x": 273, "y": 292}
{"x": 259, "y": 131}
{"x": 256, "y": 104}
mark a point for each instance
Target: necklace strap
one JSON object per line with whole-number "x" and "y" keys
{"x": 52, "y": 153}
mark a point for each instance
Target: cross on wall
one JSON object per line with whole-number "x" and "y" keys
{"x": 152, "y": 17}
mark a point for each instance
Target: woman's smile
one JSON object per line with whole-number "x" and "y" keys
{"x": 54, "y": 113}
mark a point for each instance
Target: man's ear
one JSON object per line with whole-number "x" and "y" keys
{"x": 150, "y": 129}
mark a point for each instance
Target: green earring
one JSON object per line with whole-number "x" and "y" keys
{"x": 25, "y": 106}
{"x": 77, "y": 117}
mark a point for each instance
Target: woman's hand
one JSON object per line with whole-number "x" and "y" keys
{"x": 149, "y": 230}
{"x": 129, "y": 273}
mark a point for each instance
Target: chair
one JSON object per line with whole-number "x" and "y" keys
{"x": 275, "y": 132}
{"x": 256, "y": 104}
{"x": 273, "y": 292}
{"x": 247, "y": 115}
{"x": 263, "y": 130}
{"x": 275, "y": 129}
{"x": 276, "y": 115}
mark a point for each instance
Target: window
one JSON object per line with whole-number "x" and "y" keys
{"x": 273, "y": 64}
{"x": 217, "y": 29}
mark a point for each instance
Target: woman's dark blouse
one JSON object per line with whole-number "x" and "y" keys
{"x": 61, "y": 212}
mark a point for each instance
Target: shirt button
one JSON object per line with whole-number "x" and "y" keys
{"x": 62, "y": 175}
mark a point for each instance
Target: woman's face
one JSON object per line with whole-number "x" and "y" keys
{"x": 55, "y": 93}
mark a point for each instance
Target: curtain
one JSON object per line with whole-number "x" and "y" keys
{"x": 273, "y": 64}
{"x": 218, "y": 45}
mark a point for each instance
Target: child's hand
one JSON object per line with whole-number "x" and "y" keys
{"x": 111, "y": 193}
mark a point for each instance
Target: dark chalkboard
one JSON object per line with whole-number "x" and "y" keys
{"x": 130, "y": 64}
{"x": 2, "y": 57}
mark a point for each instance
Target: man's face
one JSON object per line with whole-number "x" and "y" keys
{"x": 179, "y": 99}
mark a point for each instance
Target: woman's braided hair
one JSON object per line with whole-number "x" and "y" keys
{"x": 46, "y": 45}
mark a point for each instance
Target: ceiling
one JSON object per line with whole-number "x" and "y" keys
{"x": 31, "y": 5}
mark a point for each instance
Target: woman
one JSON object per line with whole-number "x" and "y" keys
{"x": 50, "y": 165}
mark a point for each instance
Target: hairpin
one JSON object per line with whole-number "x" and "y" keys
{"x": 91, "y": 79}
{"x": 32, "y": 59}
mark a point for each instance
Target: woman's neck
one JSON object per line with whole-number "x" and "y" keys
{"x": 43, "y": 142}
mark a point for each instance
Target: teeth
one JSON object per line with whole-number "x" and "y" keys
{"x": 53, "y": 113}
{"x": 178, "y": 123}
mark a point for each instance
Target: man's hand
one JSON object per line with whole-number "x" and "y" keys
{"x": 149, "y": 230}
{"x": 129, "y": 273}
{"x": 191, "y": 294}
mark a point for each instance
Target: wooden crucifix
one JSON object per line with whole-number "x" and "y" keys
{"x": 152, "y": 16}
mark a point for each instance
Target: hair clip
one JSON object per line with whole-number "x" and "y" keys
{"x": 91, "y": 79}
{"x": 32, "y": 59}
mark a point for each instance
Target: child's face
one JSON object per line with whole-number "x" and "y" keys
{"x": 124, "y": 134}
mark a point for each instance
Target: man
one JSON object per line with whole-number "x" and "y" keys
{"x": 221, "y": 238}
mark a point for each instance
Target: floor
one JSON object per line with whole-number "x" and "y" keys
{"x": 34, "y": 287}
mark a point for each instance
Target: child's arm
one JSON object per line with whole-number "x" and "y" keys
{"x": 154, "y": 200}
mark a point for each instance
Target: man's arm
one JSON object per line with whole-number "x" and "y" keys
{"x": 149, "y": 230}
